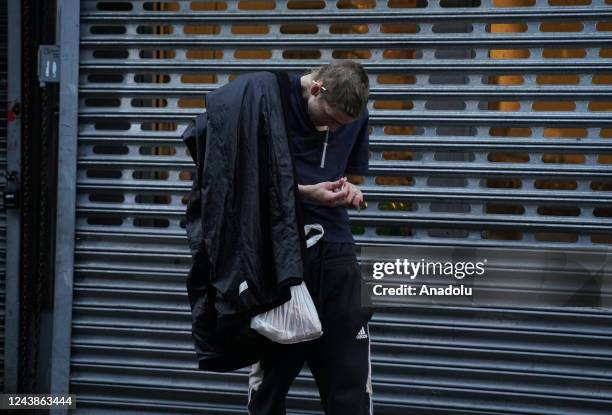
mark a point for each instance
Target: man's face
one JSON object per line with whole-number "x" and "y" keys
{"x": 324, "y": 115}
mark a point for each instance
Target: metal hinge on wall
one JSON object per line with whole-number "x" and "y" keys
{"x": 11, "y": 194}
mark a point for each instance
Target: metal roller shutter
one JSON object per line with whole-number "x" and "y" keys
{"x": 490, "y": 128}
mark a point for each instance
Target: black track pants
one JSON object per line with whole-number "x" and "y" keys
{"x": 340, "y": 359}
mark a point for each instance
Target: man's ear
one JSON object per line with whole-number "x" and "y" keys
{"x": 315, "y": 88}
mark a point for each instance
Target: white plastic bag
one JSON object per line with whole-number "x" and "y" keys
{"x": 296, "y": 320}
{"x": 292, "y": 322}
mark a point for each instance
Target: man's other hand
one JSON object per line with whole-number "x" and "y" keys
{"x": 355, "y": 197}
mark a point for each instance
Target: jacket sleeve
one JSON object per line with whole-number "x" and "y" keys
{"x": 196, "y": 133}
{"x": 284, "y": 222}
{"x": 194, "y": 138}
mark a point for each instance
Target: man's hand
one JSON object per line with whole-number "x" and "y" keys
{"x": 355, "y": 197}
{"x": 338, "y": 193}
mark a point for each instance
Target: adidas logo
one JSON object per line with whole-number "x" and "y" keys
{"x": 362, "y": 334}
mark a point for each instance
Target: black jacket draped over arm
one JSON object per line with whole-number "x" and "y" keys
{"x": 242, "y": 224}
